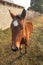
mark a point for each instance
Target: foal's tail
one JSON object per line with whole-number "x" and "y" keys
{"x": 23, "y": 14}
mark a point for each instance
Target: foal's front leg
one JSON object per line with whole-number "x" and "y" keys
{"x": 23, "y": 41}
{"x": 25, "y": 46}
{"x": 20, "y": 48}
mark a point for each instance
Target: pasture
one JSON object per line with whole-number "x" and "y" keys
{"x": 34, "y": 55}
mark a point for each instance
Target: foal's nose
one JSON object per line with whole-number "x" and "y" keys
{"x": 14, "y": 49}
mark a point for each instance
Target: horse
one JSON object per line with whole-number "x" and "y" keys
{"x": 21, "y": 30}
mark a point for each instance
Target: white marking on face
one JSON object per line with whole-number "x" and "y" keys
{"x": 15, "y": 23}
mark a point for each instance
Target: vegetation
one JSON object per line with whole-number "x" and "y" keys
{"x": 34, "y": 55}
{"x": 37, "y": 5}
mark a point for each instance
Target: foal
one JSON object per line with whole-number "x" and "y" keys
{"x": 21, "y": 31}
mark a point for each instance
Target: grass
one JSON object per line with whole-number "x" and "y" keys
{"x": 34, "y": 55}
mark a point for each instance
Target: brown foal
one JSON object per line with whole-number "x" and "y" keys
{"x": 21, "y": 31}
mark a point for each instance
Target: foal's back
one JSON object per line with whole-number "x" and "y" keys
{"x": 29, "y": 27}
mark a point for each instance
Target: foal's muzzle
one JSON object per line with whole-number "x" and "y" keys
{"x": 14, "y": 49}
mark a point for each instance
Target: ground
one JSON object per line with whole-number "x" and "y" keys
{"x": 34, "y": 55}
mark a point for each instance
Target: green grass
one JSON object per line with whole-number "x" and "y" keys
{"x": 34, "y": 55}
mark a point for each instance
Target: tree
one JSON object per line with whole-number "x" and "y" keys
{"x": 37, "y": 5}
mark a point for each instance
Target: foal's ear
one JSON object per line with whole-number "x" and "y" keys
{"x": 12, "y": 15}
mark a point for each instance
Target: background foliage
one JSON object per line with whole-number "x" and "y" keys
{"x": 37, "y": 5}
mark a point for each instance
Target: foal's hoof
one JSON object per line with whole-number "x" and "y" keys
{"x": 14, "y": 49}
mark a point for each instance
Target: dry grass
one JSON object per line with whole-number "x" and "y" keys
{"x": 34, "y": 55}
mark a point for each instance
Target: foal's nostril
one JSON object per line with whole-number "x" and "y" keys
{"x": 14, "y": 49}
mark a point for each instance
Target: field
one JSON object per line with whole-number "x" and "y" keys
{"x": 34, "y": 55}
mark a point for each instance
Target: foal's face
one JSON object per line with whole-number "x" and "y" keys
{"x": 18, "y": 27}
